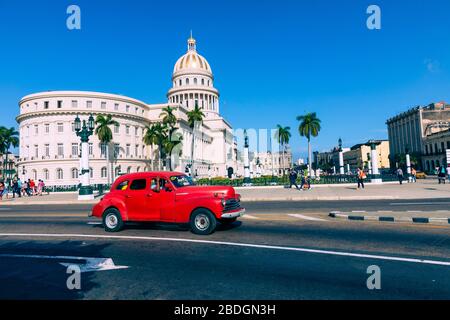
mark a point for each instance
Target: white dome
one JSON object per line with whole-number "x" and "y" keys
{"x": 192, "y": 62}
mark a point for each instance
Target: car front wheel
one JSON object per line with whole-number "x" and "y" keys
{"x": 203, "y": 222}
{"x": 112, "y": 220}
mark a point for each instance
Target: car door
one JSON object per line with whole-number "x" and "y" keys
{"x": 141, "y": 205}
{"x": 167, "y": 200}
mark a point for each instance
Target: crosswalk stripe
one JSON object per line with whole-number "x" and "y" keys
{"x": 300, "y": 216}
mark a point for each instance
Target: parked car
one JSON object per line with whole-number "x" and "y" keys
{"x": 167, "y": 197}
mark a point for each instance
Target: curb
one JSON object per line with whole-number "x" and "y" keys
{"x": 420, "y": 220}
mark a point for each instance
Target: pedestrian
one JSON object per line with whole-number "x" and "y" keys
{"x": 448, "y": 172}
{"x": 3, "y": 189}
{"x": 413, "y": 175}
{"x": 305, "y": 181}
{"x": 442, "y": 174}
{"x": 293, "y": 179}
{"x": 361, "y": 175}
{"x": 400, "y": 175}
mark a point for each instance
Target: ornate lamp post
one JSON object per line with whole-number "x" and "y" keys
{"x": 408, "y": 164}
{"x": 84, "y": 132}
{"x": 341, "y": 158}
{"x": 247, "y": 180}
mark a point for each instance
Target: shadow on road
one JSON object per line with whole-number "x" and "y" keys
{"x": 28, "y": 278}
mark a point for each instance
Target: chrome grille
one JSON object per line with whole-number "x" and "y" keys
{"x": 231, "y": 205}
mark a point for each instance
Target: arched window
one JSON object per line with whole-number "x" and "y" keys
{"x": 129, "y": 170}
{"x": 138, "y": 169}
{"x": 34, "y": 174}
{"x": 195, "y": 81}
{"x": 46, "y": 174}
{"x": 74, "y": 173}
{"x": 59, "y": 174}
{"x": 203, "y": 82}
{"x": 117, "y": 171}
{"x": 91, "y": 173}
{"x": 181, "y": 83}
{"x": 187, "y": 81}
{"x": 104, "y": 173}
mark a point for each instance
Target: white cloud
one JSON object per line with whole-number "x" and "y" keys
{"x": 433, "y": 66}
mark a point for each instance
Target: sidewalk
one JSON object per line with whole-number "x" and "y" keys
{"x": 423, "y": 189}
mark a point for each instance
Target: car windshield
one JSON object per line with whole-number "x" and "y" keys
{"x": 182, "y": 181}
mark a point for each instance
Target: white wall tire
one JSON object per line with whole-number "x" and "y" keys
{"x": 112, "y": 220}
{"x": 203, "y": 222}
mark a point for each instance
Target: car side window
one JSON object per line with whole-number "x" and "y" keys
{"x": 138, "y": 184}
{"x": 154, "y": 184}
{"x": 122, "y": 186}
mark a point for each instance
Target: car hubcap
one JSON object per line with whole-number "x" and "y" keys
{"x": 111, "y": 221}
{"x": 201, "y": 222}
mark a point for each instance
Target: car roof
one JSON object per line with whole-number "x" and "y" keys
{"x": 148, "y": 174}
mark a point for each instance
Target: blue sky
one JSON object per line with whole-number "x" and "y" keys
{"x": 273, "y": 60}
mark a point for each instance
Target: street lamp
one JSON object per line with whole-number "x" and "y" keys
{"x": 247, "y": 180}
{"x": 341, "y": 158}
{"x": 84, "y": 131}
{"x": 408, "y": 164}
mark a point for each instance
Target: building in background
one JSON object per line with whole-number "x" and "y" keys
{"x": 268, "y": 163}
{"x": 50, "y": 150}
{"x": 359, "y": 156}
{"x": 436, "y": 145}
{"x": 8, "y": 167}
{"x": 408, "y": 130}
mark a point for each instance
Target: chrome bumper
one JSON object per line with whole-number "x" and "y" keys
{"x": 234, "y": 214}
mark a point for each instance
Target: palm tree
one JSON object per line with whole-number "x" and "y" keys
{"x": 150, "y": 139}
{"x": 160, "y": 139}
{"x": 309, "y": 127}
{"x": 196, "y": 115}
{"x": 8, "y": 138}
{"x": 105, "y": 135}
{"x": 283, "y": 135}
{"x": 169, "y": 120}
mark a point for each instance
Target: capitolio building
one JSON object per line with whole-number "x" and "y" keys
{"x": 50, "y": 149}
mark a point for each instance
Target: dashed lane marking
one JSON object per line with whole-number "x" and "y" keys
{"x": 232, "y": 244}
{"x": 300, "y": 216}
{"x": 248, "y": 216}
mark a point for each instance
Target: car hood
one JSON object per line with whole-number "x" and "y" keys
{"x": 226, "y": 191}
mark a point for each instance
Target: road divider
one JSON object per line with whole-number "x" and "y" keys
{"x": 398, "y": 218}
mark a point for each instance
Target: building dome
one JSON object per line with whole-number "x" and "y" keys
{"x": 192, "y": 62}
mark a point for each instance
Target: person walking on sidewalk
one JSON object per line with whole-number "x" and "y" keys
{"x": 399, "y": 173}
{"x": 448, "y": 172}
{"x": 441, "y": 174}
{"x": 413, "y": 175}
{"x": 293, "y": 179}
{"x": 361, "y": 175}
{"x": 305, "y": 181}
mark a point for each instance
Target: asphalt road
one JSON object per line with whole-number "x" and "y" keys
{"x": 252, "y": 259}
{"x": 277, "y": 206}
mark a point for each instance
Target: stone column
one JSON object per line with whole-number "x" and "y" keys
{"x": 374, "y": 159}
{"x": 247, "y": 180}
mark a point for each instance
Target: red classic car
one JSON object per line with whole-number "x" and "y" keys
{"x": 167, "y": 197}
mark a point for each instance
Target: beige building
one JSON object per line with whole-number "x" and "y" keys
{"x": 359, "y": 156}
{"x": 435, "y": 146}
{"x": 267, "y": 163}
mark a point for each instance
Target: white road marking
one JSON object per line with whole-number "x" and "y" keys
{"x": 232, "y": 244}
{"x": 248, "y": 216}
{"x": 91, "y": 264}
{"x": 412, "y": 211}
{"x": 385, "y": 211}
{"x": 300, "y": 216}
{"x": 359, "y": 211}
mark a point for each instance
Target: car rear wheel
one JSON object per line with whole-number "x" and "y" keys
{"x": 203, "y": 222}
{"x": 112, "y": 220}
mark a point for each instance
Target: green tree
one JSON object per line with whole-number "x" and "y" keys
{"x": 105, "y": 135}
{"x": 195, "y": 116}
{"x": 8, "y": 138}
{"x": 309, "y": 127}
{"x": 170, "y": 120}
{"x": 283, "y": 135}
{"x": 150, "y": 139}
